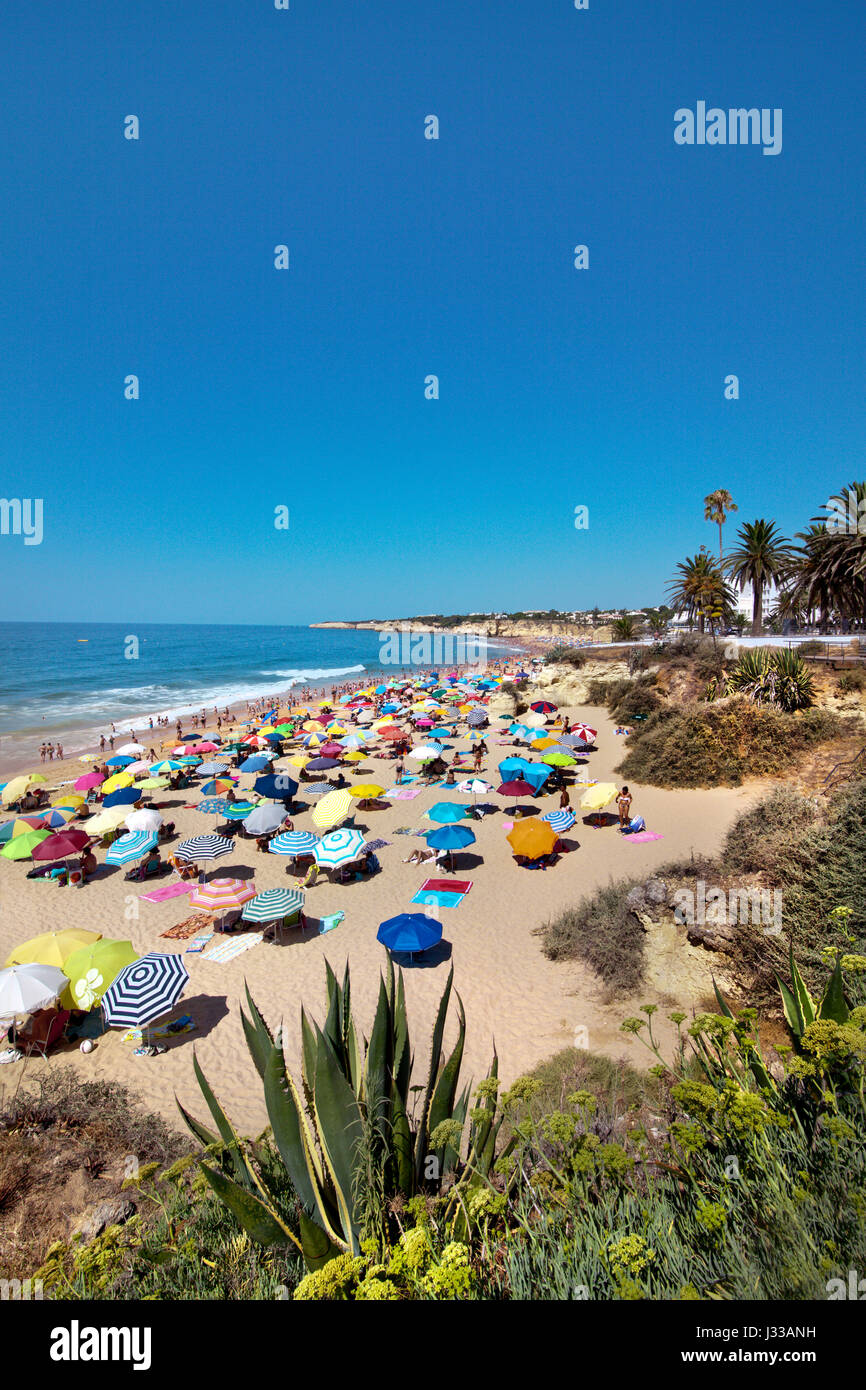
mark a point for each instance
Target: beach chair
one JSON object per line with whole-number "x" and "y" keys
{"x": 42, "y": 1041}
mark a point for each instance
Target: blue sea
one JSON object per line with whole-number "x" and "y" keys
{"x": 73, "y": 680}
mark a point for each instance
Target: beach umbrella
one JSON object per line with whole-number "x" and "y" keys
{"x": 119, "y": 760}
{"x": 598, "y": 796}
{"x": 264, "y": 819}
{"x": 26, "y": 988}
{"x": 22, "y": 825}
{"x": 585, "y": 732}
{"x": 332, "y": 809}
{"x": 293, "y": 843}
{"x": 546, "y": 741}
{"x": 213, "y": 806}
{"x": 426, "y": 754}
{"x": 61, "y": 845}
{"x": 317, "y": 789}
{"x": 446, "y": 812}
{"x": 189, "y": 760}
{"x": 560, "y": 820}
{"x": 273, "y": 904}
{"x": 534, "y": 721}
{"x": 52, "y": 947}
{"x": 153, "y": 783}
{"x": 213, "y": 769}
{"x": 57, "y": 817}
{"x": 119, "y": 780}
{"x": 473, "y": 786}
{"x": 543, "y": 707}
{"x": 204, "y": 847}
{"x": 144, "y": 990}
{"x": 256, "y": 764}
{"x": 146, "y": 819}
{"x": 167, "y": 765}
{"x": 321, "y": 764}
{"x": 124, "y": 796}
{"x": 203, "y": 746}
{"x": 136, "y": 769}
{"x": 93, "y": 968}
{"x": 450, "y": 837}
{"x": 532, "y": 838}
{"x": 356, "y": 757}
{"x": 69, "y": 799}
{"x": 410, "y": 932}
{"x": 476, "y": 718}
{"x": 338, "y": 848}
{"x": 298, "y": 760}
{"x": 536, "y": 774}
{"x": 367, "y": 791}
{"x": 516, "y": 787}
{"x": 89, "y": 781}
{"x": 391, "y": 732}
{"x": 221, "y": 894}
{"x": 133, "y": 749}
{"x": 14, "y": 790}
{"x": 217, "y": 785}
{"x": 354, "y": 742}
{"x": 131, "y": 846}
{"x": 558, "y": 757}
{"x": 277, "y": 786}
{"x": 239, "y": 810}
{"x": 104, "y": 820}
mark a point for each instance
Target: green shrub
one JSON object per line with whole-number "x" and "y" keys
{"x": 852, "y": 680}
{"x": 602, "y": 932}
{"x": 564, "y": 655}
{"x": 721, "y": 744}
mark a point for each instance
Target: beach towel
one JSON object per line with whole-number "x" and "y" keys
{"x": 642, "y": 837}
{"x": 188, "y": 927}
{"x": 330, "y": 922}
{"x": 377, "y": 844}
{"x": 168, "y": 890}
{"x": 447, "y": 885}
{"x": 199, "y": 944}
{"x": 426, "y": 898}
{"x": 403, "y": 793}
{"x": 165, "y": 1030}
{"x": 403, "y": 830}
{"x": 233, "y": 947}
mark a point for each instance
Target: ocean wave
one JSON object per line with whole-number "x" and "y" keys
{"x": 297, "y": 676}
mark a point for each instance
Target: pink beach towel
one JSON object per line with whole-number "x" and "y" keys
{"x": 642, "y": 836}
{"x": 168, "y": 890}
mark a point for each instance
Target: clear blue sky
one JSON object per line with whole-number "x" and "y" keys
{"x": 306, "y": 387}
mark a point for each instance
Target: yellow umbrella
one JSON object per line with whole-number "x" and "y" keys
{"x": 52, "y": 947}
{"x": 298, "y": 760}
{"x": 598, "y": 796}
{"x": 356, "y": 756}
{"x": 15, "y": 789}
{"x": 70, "y": 799}
{"x": 267, "y": 729}
{"x": 109, "y": 819}
{"x": 312, "y": 726}
{"x": 120, "y": 779}
{"x": 332, "y": 810}
{"x": 366, "y": 791}
{"x": 532, "y": 838}
{"x": 336, "y": 729}
{"x": 542, "y": 742}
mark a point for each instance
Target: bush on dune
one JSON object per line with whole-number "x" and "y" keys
{"x": 722, "y": 744}
{"x": 602, "y": 932}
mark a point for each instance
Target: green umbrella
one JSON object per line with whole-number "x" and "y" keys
{"x": 23, "y": 846}
{"x": 559, "y": 759}
{"x": 152, "y": 783}
{"x": 91, "y": 969}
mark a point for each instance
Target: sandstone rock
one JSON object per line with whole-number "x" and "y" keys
{"x": 656, "y": 891}
{"x": 636, "y": 899}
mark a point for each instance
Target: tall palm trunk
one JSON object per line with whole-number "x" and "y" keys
{"x": 757, "y": 607}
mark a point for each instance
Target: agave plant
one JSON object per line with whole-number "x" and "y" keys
{"x": 778, "y": 678}
{"x": 348, "y": 1136}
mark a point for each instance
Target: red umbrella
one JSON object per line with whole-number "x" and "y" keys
{"x": 585, "y": 732}
{"x": 332, "y": 750}
{"x": 391, "y": 732}
{"x": 516, "y": 788}
{"x": 62, "y": 845}
{"x": 544, "y": 707}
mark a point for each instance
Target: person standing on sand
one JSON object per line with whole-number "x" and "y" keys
{"x": 59, "y": 751}
{"x": 564, "y": 800}
{"x": 623, "y": 801}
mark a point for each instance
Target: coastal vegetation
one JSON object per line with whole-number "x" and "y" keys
{"x": 725, "y": 1173}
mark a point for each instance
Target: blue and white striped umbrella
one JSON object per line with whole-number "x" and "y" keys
{"x": 144, "y": 990}
{"x": 560, "y": 820}
{"x": 339, "y": 847}
{"x": 264, "y": 819}
{"x": 273, "y": 904}
{"x": 131, "y": 846}
{"x": 294, "y": 842}
{"x": 204, "y": 847}
{"x": 214, "y": 769}
{"x": 213, "y": 805}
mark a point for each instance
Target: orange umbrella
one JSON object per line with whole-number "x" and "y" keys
{"x": 532, "y": 838}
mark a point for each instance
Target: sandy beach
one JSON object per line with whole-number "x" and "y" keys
{"x": 515, "y": 998}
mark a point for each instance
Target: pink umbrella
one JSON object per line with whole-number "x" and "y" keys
{"x": 205, "y": 747}
{"x": 332, "y": 750}
{"x": 89, "y": 781}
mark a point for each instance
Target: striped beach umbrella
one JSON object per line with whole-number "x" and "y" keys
{"x": 167, "y": 765}
{"x": 332, "y": 809}
{"x": 239, "y": 810}
{"x": 585, "y": 732}
{"x": 213, "y": 769}
{"x": 204, "y": 847}
{"x": 339, "y": 847}
{"x": 560, "y": 820}
{"x": 131, "y": 846}
{"x": 217, "y": 786}
{"x": 213, "y": 805}
{"x": 293, "y": 843}
{"x": 221, "y": 894}
{"x": 273, "y": 904}
{"x": 144, "y": 990}
{"x": 22, "y": 825}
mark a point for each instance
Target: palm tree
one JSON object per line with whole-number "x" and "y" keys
{"x": 698, "y": 586}
{"x": 716, "y": 508}
{"x": 762, "y": 556}
{"x": 840, "y": 555}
